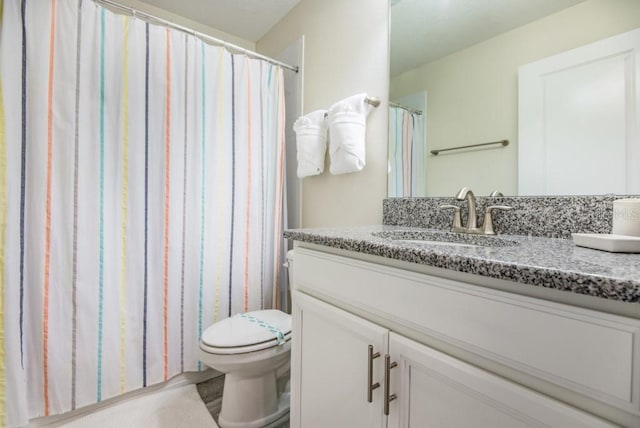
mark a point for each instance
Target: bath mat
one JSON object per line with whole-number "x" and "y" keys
{"x": 169, "y": 408}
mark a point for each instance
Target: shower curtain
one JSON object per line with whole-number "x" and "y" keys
{"x": 141, "y": 189}
{"x": 406, "y": 153}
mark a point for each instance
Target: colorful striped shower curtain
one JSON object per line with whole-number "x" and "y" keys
{"x": 406, "y": 153}
{"x": 141, "y": 190}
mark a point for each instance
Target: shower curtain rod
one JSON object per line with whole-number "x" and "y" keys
{"x": 410, "y": 110}
{"x": 223, "y": 43}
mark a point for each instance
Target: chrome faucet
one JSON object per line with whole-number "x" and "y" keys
{"x": 465, "y": 194}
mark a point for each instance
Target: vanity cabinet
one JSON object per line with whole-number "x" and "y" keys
{"x": 343, "y": 306}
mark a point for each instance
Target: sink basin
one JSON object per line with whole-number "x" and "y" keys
{"x": 435, "y": 237}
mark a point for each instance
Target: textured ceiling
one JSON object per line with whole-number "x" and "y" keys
{"x": 247, "y": 19}
{"x": 424, "y": 30}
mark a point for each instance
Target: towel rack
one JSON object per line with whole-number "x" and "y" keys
{"x": 373, "y": 101}
{"x": 503, "y": 142}
{"x": 409, "y": 109}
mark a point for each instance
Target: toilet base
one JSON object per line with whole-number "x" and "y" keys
{"x": 274, "y": 420}
{"x": 285, "y": 416}
{"x": 251, "y": 400}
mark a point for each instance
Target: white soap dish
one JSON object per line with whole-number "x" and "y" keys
{"x": 608, "y": 242}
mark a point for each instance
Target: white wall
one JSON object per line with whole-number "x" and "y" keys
{"x": 345, "y": 52}
{"x": 473, "y": 93}
{"x": 293, "y": 54}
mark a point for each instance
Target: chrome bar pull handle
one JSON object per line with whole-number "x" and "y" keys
{"x": 388, "y": 398}
{"x": 370, "y": 385}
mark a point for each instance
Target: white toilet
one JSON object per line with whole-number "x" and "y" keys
{"x": 253, "y": 350}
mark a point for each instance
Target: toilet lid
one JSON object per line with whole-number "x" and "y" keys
{"x": 249, "y": 329}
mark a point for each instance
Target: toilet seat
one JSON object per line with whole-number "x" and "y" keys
{"x": 247, "y": 332}
{"x": 243, "y": 349}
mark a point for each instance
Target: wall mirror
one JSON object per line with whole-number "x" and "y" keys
{"x": 455, "y": 68}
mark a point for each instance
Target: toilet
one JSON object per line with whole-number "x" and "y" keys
{"x": 253, "y": 349}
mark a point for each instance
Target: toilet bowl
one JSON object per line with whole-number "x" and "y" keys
{"x": 253, "y": 350}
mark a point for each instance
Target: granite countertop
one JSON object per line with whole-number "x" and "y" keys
{"x": 543, "y": 262}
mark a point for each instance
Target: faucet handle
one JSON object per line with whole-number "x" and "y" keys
{"x": 457, "y": 219}
{"x": 488, "y": 218}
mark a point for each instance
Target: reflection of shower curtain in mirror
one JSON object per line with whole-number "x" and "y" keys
{"x": 406, "y": 153}
{"x": 141, "y": 186}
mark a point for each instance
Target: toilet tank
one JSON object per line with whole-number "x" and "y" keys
{"x": 289, "y": 262}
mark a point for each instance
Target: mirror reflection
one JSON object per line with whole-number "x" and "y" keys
{"x": 407, "y": 146}
{"x": 455, "y": 68}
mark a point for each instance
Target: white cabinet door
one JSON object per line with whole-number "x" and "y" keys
{"x": 435, "y": 390}
{"x": 329, "y": 364}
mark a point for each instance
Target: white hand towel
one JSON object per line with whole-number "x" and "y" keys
{"x": 311, "y": 142}
{"x": 347, "y": 129}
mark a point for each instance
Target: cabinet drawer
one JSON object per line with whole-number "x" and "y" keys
{"x": 585, "y": 351}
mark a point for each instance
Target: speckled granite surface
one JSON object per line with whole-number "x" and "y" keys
{"x": 536, "y": 261}
{"x": 550, "y": 216}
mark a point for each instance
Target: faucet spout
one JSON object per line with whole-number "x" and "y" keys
{"x": 465, "y": 194}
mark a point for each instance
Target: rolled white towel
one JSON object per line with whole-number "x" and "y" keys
{"x": 347, "y": 129}
{"x": 311, "y": 142}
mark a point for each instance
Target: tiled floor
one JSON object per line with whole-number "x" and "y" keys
{"x": 178, "y": 406}
{"x": 211, "y": 393}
